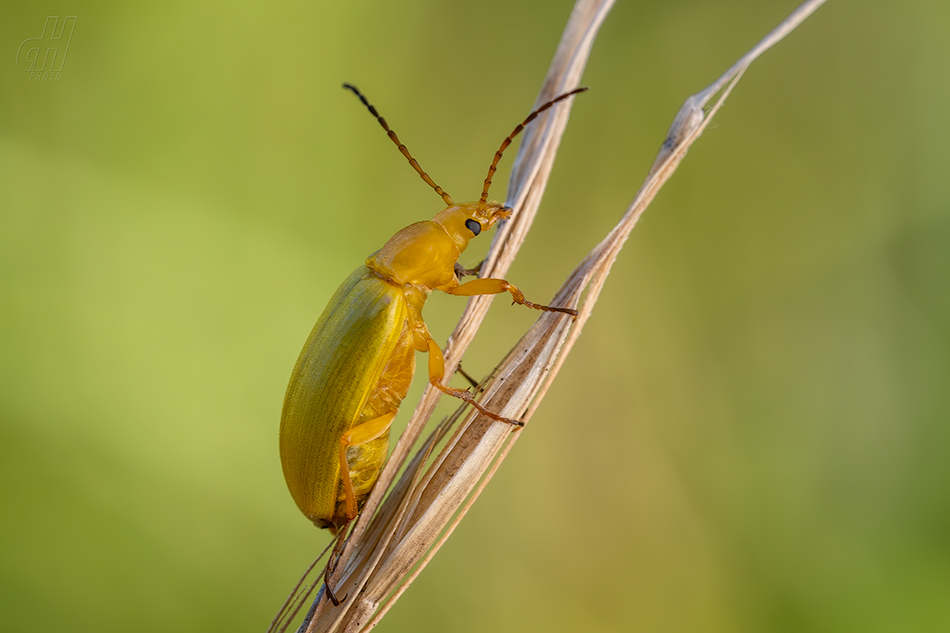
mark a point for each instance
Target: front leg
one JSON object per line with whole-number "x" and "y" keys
{"x": 492, "y": 286}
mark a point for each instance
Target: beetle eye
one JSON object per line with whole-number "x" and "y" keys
{"x": 473, "y": 226}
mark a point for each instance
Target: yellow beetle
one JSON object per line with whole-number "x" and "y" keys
{"x": 358, "y": 362}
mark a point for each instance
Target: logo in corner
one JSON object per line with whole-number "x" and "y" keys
{"x": 43, "y": 57}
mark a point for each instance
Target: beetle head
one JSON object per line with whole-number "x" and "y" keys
{"x": 464, "y": 221}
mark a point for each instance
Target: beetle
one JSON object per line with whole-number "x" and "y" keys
{"x": 357, "y": 364}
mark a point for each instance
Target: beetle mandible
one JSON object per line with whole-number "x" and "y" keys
{"x": 357, "y": 364}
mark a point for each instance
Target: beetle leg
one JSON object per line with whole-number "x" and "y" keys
{"x": 331, "y": 566}
{"x": 437, "y": 373}
{"x": 492, "y": 286}
{"x": 475, "y": 384}
{"x": 359, "y": 434}
{"x": 462, "y": 271}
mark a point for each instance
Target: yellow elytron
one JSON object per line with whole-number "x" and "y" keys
{"x": 358, "y": 362}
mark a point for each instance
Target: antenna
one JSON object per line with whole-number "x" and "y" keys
{"x": 507, "y": 141}
{"x": 402, "y": 148}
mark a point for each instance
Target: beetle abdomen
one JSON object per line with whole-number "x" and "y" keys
{"x": 366, "y": 460}
{"x": 339, "y": 379}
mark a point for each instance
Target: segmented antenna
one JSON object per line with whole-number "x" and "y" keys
{"x": 402, "y": 148}
{"x": 514, "y": 133}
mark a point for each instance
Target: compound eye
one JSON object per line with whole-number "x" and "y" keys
{"x": 473, "y": 226}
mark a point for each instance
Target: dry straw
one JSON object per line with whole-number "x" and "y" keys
{"x": 403, "y": 525}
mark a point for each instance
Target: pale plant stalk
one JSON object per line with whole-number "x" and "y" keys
{"x": 394, "y": 539}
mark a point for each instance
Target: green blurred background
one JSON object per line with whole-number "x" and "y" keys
{"x": 752, "y": 434}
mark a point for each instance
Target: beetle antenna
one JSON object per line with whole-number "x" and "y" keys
{"x": 514, "y": 133}
{"x": 402, "y": 148}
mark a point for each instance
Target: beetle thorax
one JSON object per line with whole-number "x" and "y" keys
{"x": 424, "y": 254}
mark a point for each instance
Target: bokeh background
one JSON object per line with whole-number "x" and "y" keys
{"x": 751, "y": 436}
